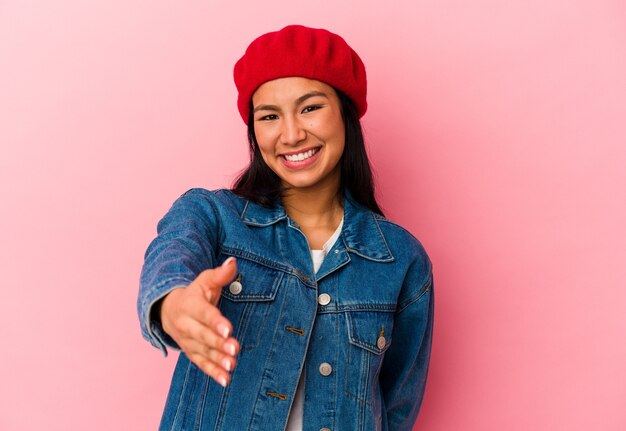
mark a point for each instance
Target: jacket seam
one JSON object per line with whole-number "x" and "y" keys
{"x": 426, "y": 287}
{"x": 269, "y": 264}
{"x": 383, "y": 308}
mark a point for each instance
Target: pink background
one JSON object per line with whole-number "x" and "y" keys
{"x": 497, "y": 131}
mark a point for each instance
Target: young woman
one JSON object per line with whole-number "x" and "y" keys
{"x": 296, "y": 305}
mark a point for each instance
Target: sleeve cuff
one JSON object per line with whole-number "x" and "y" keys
{"x": 154, "y": 332}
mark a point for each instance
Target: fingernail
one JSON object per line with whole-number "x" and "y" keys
{"x": 226, "y": 364}
{"x": 222, "y": 381}
{"x": 230, "y": 348}
{"x": 223, "y": 330}
{"x": 228, "y": 261}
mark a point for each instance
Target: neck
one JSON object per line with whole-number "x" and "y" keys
{"x": 315, "y": 207}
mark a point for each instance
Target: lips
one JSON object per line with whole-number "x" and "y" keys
{"x": 299, "y": 157}
{"x": 302, "y": 159}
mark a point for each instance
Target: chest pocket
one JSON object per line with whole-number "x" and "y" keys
{"x": 369, "y": 337}
{"x": 247, "y": 300}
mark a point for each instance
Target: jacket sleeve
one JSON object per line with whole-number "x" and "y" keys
{"x": 405, "y": 367}
{"x": 185, "y": 246}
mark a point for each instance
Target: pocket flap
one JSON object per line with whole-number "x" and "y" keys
{"x": 253, "y": 282}
{"x": 370, "y": 330}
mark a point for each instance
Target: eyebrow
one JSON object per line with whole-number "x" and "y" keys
{"x": 299, "y": 100}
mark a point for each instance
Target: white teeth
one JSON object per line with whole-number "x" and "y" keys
{"x": 301, "y": 156}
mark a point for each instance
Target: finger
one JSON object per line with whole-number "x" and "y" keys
{"x": 213, "y": 280}
{"x": 224, "y": 360}
{"x": 203, "y": 322}
{"x": 195, "y": 331}
{"x": 205, "y": 335}
{"x": 231, "y": 347}
{"x": 210, "y": 316}
{"x": 212, "y": 361}
{"x": 213, "y": 319}
{"x": 213, "y": 370}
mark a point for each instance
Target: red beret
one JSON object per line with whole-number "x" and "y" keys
{"x": 300, "y": 51}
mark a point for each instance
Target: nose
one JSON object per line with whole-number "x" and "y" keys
{"x": 292, "y": 131}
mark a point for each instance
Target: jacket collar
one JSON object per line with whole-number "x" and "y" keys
{"x": 361, "y": 232}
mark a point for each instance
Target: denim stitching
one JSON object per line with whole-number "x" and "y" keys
{"x": 425, "y": 289}
{"x": 201, "y": 402}
{"x": 182, "y": 394}
{"x": 364, "y": 345}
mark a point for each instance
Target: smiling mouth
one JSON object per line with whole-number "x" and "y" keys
{"x": 301, "y": 156}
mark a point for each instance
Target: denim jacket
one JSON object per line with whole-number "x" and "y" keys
{"x": 359, "y": 331}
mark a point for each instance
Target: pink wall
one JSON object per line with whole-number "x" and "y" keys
{"x": 497, "y": 130}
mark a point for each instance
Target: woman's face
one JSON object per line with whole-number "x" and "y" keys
{"x": 300, "y": 131}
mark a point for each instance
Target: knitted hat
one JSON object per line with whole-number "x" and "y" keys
{"x": 300, "y": 51}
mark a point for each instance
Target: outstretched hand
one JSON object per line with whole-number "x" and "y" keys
{"x": 190, "y": 316}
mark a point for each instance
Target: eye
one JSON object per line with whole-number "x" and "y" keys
{"x": 267, "y": 117}
{"x": 311, "y": 108}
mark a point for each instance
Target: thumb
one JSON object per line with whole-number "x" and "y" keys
{"x": 213, "y": 280}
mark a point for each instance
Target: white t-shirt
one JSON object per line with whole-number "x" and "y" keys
{"x": 295, "y": 415}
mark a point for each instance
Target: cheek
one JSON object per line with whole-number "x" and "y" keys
{"x": 266, "y": 155}
{"x": 262, "y": 141}
{"x": 340, "y": 137}
{"x": 335, "y": 128}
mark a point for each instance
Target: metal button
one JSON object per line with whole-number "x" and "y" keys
{"x": 381, "y": 342}
{"x": 325, "y": 369}
{"x": 323, "y": 299}
{"x": 235, "y": 288}
{"x": 324, "y": 429}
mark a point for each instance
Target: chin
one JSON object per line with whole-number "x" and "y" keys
{"x": 308, "y": 180}
{"x": 302, "y": 184}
